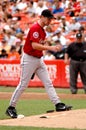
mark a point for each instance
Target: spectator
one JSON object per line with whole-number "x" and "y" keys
{"x": 57, "y": 8}
{"x": 40, "y": 7}
{"x": 74, "y": 25}
{"x": 58, "y": 36}
{"x": 81, "y": 17}
{"x": 49, "y": 31}
{"x": 13, "y": 55}
{"x": 76, "y": 51}
{"x": 76, "y": 6}
{"x": 64, "y": 23}
{"x": 4, "y": 45}
{"x": 13, "y": 7}
{"x": 3, "y": 54}
{"x": 17, "y": 28}
{"x": 22, "y": 5}
{"x": 49, "y": 4}
{"x": 69, "y": 10}
{"x": 83, "y": 5}
{"x": 1, "y": 11}
{"x": 82, "y": 29}
{"x": 48, "y": 55}
{"x": 10, "y": 37}
{"x": 30, "y": 9}
{"x": 64, "y": 3}
{"x": 21, "y": 37}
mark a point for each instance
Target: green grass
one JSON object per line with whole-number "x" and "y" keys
{"x": 36, "y": 107}
{"x": 30, "y": 128}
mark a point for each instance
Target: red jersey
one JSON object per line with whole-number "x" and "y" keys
{"x": 77, "y": 6}
{"x": 35, "y": 34}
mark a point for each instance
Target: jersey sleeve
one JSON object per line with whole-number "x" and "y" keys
{"x": 34, "y": 34}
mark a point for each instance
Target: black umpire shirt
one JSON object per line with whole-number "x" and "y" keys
{"x": 77, "y": 51}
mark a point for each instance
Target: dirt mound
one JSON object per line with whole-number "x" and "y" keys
{"x": 67, "y": 119}
{"x": 7, "y": 95}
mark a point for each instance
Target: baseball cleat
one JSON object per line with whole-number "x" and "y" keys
{"x": 63, "y": 107}
{"x": 11, "y": 111}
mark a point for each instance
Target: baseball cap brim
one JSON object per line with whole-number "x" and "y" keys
{"x": 52, "y": 17}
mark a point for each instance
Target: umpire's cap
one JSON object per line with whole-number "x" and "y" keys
{"x": 79, "y": 35}
{"x": 47, "y": 13}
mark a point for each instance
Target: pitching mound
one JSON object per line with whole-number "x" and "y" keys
{"x": 66, "y": 119}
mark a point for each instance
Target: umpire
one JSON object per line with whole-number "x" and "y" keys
{"x": 76, "y": 52}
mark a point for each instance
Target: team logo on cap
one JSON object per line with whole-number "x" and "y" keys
{"x": 35, "y": 34}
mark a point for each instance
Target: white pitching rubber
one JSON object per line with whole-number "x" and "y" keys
{"x": 20, "y": 116}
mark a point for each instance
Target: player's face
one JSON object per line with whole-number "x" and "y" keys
{"x": 47, "y": 21}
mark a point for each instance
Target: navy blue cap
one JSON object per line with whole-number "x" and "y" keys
{"x": 47, "y": 13}
{"x": 79, "y": 35}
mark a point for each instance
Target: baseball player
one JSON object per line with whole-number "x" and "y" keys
{"x": 31, "y": 62}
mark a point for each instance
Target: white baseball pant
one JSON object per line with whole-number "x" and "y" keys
{"x": 29, "y": 65}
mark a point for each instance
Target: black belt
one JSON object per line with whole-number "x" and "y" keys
{"x": 81, "y": 60}
{"x": 35, "y": 56}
